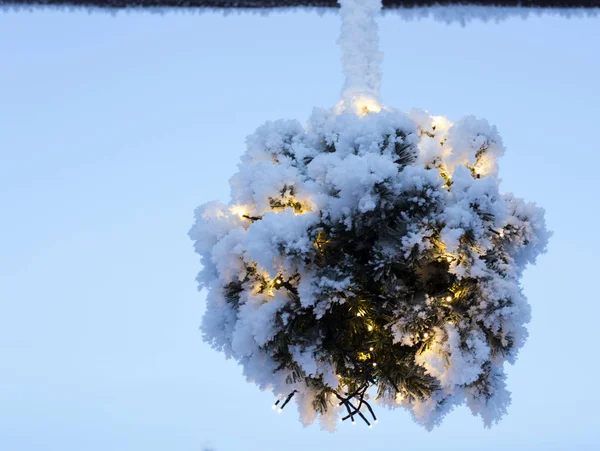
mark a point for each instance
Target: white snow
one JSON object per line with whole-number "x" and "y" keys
{"x": 344, "y": 164}
{"x": 338, "y": 186}
{"x": 461, "y": 14}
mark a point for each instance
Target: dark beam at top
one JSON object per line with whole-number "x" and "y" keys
{"x": 260, "y": 4}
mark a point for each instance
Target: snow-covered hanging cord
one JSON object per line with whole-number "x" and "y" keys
{"x": 361, "y": 58}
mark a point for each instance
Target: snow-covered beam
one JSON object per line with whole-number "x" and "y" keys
{"x": 261, "y": 4}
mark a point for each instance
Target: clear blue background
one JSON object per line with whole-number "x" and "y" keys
{"x": 112, "y": 129}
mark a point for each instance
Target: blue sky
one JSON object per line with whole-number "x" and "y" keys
{"x": 112, "y": 129}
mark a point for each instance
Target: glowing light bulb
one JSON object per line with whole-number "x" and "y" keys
{"x": 366, "y": 106}
{"x": 239, "y": 210}
{"x": 448, "y": 298}
{"x": 374, "y": 364}
{"x": 371, "y": 348}
{"x": 362, "y": 105}
{"x": 449, "y": 259}
{"x": 426, "y": 335}
{"x": 370, "y": 328}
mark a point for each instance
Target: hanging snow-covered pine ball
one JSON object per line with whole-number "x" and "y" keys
{"x": 370, "y": 229}
{"x": 356, "y": 210}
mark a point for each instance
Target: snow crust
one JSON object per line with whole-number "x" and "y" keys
{"x": 461, "y": 14}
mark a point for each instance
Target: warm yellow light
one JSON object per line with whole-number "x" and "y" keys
{"x": 449, "y": 258}
{"x": 426, "y": 335}
{"x": 239, "y": 210}
{"x": 479, "y": 171}
{"x": 448, "y": 298}
{"x": 371, "y": 348}
{"x": 321, "y": 241}
{"x": 278, "y": 281}
{"x": 360, "y": 105}
{"x": 483, "y": 166}
{"x": 302, "y": 206}
{"x": 440, "y": 122}
{"x": 374, "y": 364}
{"x": 365, "y": 105}
{"x": 370, "y": 328}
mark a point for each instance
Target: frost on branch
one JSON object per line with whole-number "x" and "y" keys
{"x": 370, "y": 257}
